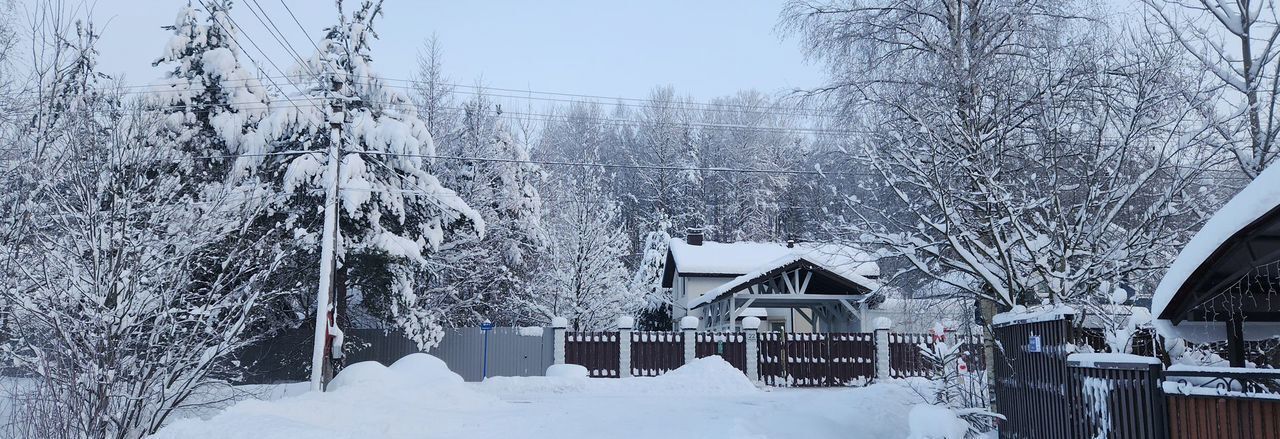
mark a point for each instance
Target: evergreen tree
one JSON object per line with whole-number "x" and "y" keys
{"x": 212, "y": 102}
{"x": 393, "y": 211}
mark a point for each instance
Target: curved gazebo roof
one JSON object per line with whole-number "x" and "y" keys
{"x": 1223, "y": 284}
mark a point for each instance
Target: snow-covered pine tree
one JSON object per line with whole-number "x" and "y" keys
{"x": 646, "y": 281}
{"x": 212, "y": 102}
{"x": 393, "y": 211}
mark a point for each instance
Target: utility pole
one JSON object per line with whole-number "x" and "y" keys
{"x": 321, "y": 371}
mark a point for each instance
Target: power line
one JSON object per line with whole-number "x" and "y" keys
{"x": 300, "y": 26}
{"x": 611, "y": 165}
{"x": 270, "y": 25}
{"x": 230, "y": 30}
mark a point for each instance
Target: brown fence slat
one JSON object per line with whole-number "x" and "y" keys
{"x": 654, "y": 353}
{"x": 596, "y": 351}
{"x": 732, "y": 346}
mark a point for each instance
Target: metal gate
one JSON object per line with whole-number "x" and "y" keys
{"x": 511, "y": 352}
{"x": 816, "y": 359}
{"x": 1032, "y": 378}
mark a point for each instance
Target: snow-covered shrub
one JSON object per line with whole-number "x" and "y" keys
{"x": 956, "y": 389}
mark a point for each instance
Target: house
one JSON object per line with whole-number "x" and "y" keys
{"x": 1224, "y": 283}
{"x": 794, "y": 287}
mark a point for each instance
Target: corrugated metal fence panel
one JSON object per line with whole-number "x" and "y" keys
{"x": 1117, "y": 401}
{"x": 377, "y": 345}
{"x": 1031, "y": 387}
{"x": 511, "y": 352}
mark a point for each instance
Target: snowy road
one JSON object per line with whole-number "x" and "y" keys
{"x": 706, "y": 399}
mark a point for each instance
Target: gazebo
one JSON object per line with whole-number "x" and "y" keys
{"x": 835, "y": 296}
{"x": 1223, "y": 285}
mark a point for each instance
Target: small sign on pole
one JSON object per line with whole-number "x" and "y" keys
{"x": 486, "y": 326}
{"x": 1033, "y": 344}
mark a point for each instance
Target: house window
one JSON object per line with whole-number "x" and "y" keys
{"x": 778, "y": 326}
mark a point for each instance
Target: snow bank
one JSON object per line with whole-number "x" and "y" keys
{"x": 1255, "y": 200}
{"x": 935, "y": 422}
{"x": 365, "y": 400}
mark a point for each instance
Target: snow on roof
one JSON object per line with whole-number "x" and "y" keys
{"x": 736, "y": 258}
{"x": 1255, "y": 200}
{"x": 819, "y": 259}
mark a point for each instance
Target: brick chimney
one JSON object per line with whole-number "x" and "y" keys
{"x": 693, "y": 236}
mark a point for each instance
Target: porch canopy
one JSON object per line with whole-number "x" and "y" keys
{"x": 835, "y": 296}
{"x": 1223, "y": 285}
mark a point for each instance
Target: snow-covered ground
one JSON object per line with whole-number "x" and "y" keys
{"x": 419, "y": 398}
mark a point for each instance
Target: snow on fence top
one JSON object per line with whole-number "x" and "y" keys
{"x": 1255, "y": 200}
{"x": 1092, "y": 360}
{"x": 1022, "y": 314}
{"x": 736, "y": 258}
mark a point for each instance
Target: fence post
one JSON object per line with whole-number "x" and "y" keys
{"x": 625, "y": 323}
{"x": 689, "y": 324}
{"x": 882, "y": 348}
{"x": 558, "y": 325}
{"x": 751, "y": 328}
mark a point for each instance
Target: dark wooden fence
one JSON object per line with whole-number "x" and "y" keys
{"x": 731, "y": 346}
{"x": 1223, "y": 405}
{"x": 597, "y": 351}
{"x": 1119, "y": 400}
{"x": 1031, "y": 387}
{"x": 816, "y": 360}
{"x": 852, "y": 359}
{"x": 905, "y": 356}
{"x": 654, "y": 353}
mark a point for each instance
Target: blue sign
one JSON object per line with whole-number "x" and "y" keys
{"x": 487, "y": 325}
{"x": 1033, "y": 343}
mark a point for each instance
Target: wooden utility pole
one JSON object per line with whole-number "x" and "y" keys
{"x": 321, "y": 370}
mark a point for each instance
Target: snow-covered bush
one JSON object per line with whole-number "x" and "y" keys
{"x": 957, "y": 390}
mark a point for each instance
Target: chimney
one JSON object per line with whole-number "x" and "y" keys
{"x": 791, "y": 243}
{"x": 693, "y": 236}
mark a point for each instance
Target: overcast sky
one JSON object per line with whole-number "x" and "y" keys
{"x": 704, "y": 48}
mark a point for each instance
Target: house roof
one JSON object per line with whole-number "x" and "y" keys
{"x": 734, "y": 259}
{"x": 1242, "y": 236}
{"x": 844, "y": 278}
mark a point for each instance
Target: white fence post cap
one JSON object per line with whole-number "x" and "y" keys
{"x": 883, "y": 323}
{"x": 626, "y": 322}
{"x": 751, "y": 323}
{"x": 688, "y": 322}
{"x": 559, "y": 322}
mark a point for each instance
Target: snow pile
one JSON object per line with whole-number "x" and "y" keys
{"x": 1255, "y": 200}
{"x": 704, "y": 375}
{"x": 936, "y": 422}
{"x": 572, "y": 371}
{"x": 365, "y": 400}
